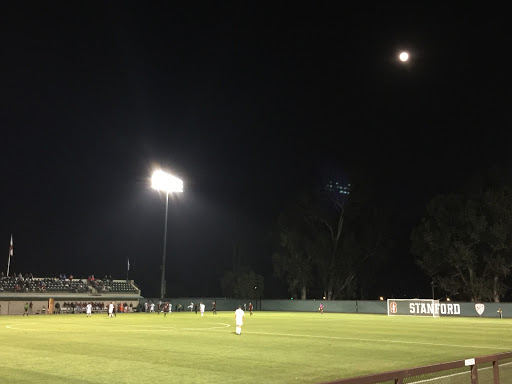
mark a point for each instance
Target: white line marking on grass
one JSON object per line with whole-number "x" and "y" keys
{"x": 455, "y": 374}
{"x": 157, "y": 329}
{"x": 376, "y": 340}
{"x": 207, "y": 329}
{"x": 20, "y": 329}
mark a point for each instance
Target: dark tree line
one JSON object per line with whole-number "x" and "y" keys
{"x": 330, "y": 244}
{"x": 337, "y": 246}
{"x": 464, "y": 244}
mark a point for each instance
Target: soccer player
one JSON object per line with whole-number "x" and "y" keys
{"x": 321, "y": 309}
{"x": 214, "y": 308}
{"x": 166, "y": 308}
{"x": 26, "y": 309}
{"x": 250, "y": 309}
{"x": 111, "y": 309}
{"x": 89, "y": 310}
{"x": 201, "y": 309}
{"x": 239, "y": 318}
{"x": 500, "y": 313}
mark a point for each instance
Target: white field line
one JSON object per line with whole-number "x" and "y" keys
{"x": 224, "y": 326}
{"x": 456, "y": 374}
{"x": 377, "y": 340}
{"x": 20, "y": 329}
{"x": 155, "y": 329}
{"x": 173, "y": 328}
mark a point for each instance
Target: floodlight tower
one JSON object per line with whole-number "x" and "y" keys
{"x": 167, "y": 183}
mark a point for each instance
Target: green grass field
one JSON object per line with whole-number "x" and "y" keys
{"x": 273, "y": 348}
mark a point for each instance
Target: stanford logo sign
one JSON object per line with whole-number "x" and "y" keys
{"x": 480, "y": 308}
{"x": 393, "y": 308}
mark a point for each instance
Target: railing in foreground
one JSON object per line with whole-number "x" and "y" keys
{"x": 494, "y": 369}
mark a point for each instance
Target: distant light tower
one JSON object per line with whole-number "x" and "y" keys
{"x": 404, "y": 56}
{"x": 167, "y": 183}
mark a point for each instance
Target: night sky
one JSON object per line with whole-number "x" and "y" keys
{"x": 246, "y": 103}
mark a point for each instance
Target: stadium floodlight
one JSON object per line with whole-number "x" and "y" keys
{"x": 162, "y": 181}
{"x": 165, "y": 182}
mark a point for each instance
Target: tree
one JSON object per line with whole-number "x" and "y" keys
{"x": 249, "y": 285}
{"x": 465, "y": 244}
{"x": 317, "y": 246}
{"x": 293, "y": 259}
{"x": 244, "y": 284}
{"x": 498, "y": 257}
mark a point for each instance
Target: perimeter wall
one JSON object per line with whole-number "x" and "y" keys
{"x": 463, "y": 309}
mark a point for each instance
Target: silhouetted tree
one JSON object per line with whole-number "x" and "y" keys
{"x": 465, "y": 244}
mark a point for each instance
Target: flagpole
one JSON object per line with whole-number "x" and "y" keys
{"x": 10, "y": 254}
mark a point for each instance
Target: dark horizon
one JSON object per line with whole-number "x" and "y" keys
{"x": 247, "y": 105}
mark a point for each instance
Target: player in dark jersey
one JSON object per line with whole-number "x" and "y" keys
{"x": 214, "y": 308}
{"x": 250, "y": 309}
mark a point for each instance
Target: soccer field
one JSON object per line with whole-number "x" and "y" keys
{"x": 275, "y": 347}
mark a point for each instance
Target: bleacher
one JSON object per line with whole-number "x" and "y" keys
{"x": 29, "y": 284}
{"x": 122, "y": 286}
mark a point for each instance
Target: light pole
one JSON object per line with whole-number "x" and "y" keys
{"x": 167, "y": 183}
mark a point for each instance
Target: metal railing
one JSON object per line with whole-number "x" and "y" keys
{"x": 493, "y": 369}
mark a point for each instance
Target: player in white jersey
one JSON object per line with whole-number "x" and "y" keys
{"x": 89, "y": 310}
{"x": 111, "y": 309}
{"x": 201, "y": 309}
{"x": 239, "y": 318}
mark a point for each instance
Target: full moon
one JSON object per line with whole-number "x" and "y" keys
{"x": 404, "y": 56}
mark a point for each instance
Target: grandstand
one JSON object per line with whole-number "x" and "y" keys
{"x": 49, "y": 293}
